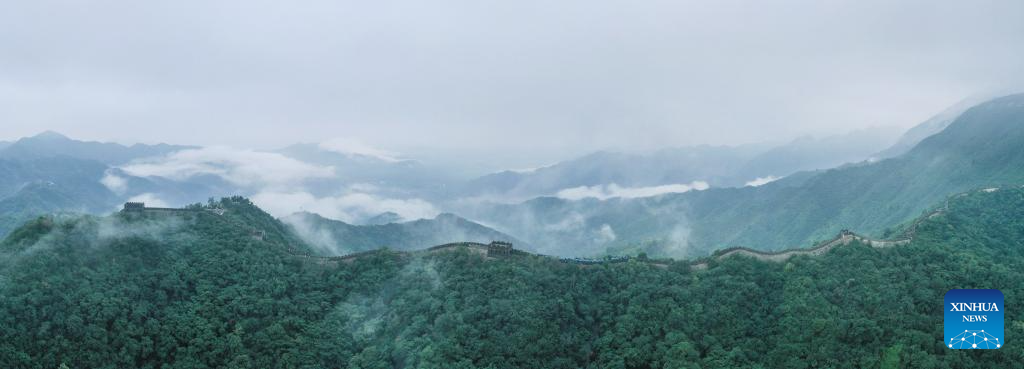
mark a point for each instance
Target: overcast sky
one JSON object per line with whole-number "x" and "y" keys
{"x": 536, "y": 77}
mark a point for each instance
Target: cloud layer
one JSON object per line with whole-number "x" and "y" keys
{"x": 354, "y": 147}
{"x": 351, "y": 208}
{"x": 604, "y": 192}
{"x": 277, "y": 183}
{"x": 245, "y": 168}
{"x": 760, "y": 181}
{"x": 561, "y": 79}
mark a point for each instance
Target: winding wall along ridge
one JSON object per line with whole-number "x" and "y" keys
{"x": 845, "y": 237}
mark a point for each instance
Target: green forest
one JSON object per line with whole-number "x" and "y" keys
{"x": 202, "y": 290}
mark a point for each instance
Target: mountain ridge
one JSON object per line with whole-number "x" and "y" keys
{"x": 720, "y": 166}
{"x": 334, "y": 237}
{"x": 50, "y": 144}
{"x": 112, "y": 284}
{"x": 980, "y": 148}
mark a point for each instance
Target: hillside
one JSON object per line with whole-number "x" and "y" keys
{"x": 397, "y": 176}
{"x": 51, "y": 173}
{"x": 29, "y": 188}
{"x": 198, "y": 290}
{"x": 60, "y": 184}
{"x": 923, "y": 130}
{"x": 332, "y": 237}
{"x": 981, "y": 148}
{"x": 712, "y": 164}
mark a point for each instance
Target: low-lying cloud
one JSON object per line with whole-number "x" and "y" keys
{"x": 114, "y": 182}
{"x": 759, "y": 181}
{"x": 151, "y": 200}
{"x": 279, "y": 184}
{"x": 606, "y": 233}
{"x": 353, "y": 147}
{"x": 604, "y": 192}
{"x": 96, "y": 232}
{"x": 318, "y": 237}
{"x": 244, "y": 168}
{"x": 350, "y": 208}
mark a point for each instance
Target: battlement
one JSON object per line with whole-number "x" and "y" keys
{"x": 499, "y": 248}
{"x": 140, "y": 207}
{"x": 591, "y": 261}
{"x": 134, "y": 206}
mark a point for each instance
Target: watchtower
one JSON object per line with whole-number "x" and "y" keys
{"x": 499, "y": 248}
{"x": 134, "y": 206}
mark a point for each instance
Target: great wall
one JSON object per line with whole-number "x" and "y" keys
{"x": 493, "y": 250}
{"x": 497, "y": 249}
{"x": 140, "y": 207}
{"x": 845, "y": 237}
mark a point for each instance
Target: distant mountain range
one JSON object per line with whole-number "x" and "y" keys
{"x": 979, "y": 148}
{"x": 719, "y": 166}
{"x": 50, "y": 173}
{"x": 31, "y": 187}
{"x": 389, "y": 174}
{"x": 844, "y": 181}
{"x": 51, "y": 144}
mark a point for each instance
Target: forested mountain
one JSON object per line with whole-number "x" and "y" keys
{"x": 980, "y": 148}
{"x": 333, "y": 237}
{"x": 713, "y": 164}
{"x": 201, "y": 290}
{"x": 31, "y": 187}
{"x": 719, "y": 166}
{"x": 69, "y": 172}
{"x": 386, "y": 217}
{"x": 933, "y": 125}
{"x": 811, "y": 153}
{"x": 793, "y": 211}
{"x": 50, "y": 173}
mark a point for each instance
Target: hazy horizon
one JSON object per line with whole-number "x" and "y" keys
{"x": 447, "y": 155}
{"x": 548, "y": 81}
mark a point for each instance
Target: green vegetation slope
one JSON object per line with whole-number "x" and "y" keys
{"x": 198, "y": 290}
{"x": 981, "y": 148}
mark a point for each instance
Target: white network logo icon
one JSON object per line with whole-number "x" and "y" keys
{"x": 974, "y": 340}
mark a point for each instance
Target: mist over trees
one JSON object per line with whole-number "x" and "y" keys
{"x": 198, "y": 290}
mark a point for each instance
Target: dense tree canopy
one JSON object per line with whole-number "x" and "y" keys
{"x": 200, "y": 290}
